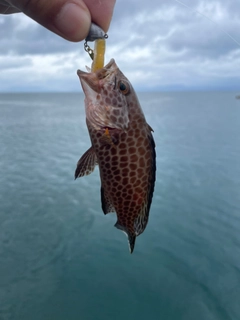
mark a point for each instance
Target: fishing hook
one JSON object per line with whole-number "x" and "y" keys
{"x": 95, "y": 33}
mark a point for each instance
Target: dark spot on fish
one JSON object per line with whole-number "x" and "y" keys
{"x": 141, "y": 151}
{"x": 121, "y": 152}
{"x": 131, "y": 143}
{"x": 105, "y": 92}
{"x": 134, "y": 125}
{"x": 132, "y": 173}
{"x": 134, "y": 158}
{"x": 123, "y": 136}
{"x": 132, "y": 150}
{"x": 113, "y": 119}
{"x": 107, "y": 165}
{"x": 113, "y": 151}
{"x": 107, "y": 146}
{"x": 124, "y": 174}
{"x": 104, "y": 170}
{"x": 116, "y": 112}
{"x": 122, "y": 145}
{"x": 125, "y": 171}
{"x": 140, "y": 201}
{"x": 144, "y": 184}
{"x": 149, "y": 162}
{"x": 137, "y": 132}
{"x": 114, "y": 101}
{"x": 116, "y": 180}
{"x": 130, "y": 132}
{"x": 142, "y": 162}
{"x": 107, "y": 100}
{"x": 133, "y": 166}
{"x": 123, "y": 164}
{"x": 132, "y": 179}
{"x": 140, "y": 140}
{"x": 135, "y": 196}
{"x": 137, "y": 184}
{"x": 124, "y": 159}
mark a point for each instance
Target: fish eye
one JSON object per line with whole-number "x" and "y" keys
{"x": 123, "y": 87}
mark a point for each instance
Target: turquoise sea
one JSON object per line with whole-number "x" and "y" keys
{"x": 62, "y": 259}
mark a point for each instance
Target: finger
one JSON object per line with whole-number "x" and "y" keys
{"x": 70, "y": 19}
{"x": 101, "y": 12}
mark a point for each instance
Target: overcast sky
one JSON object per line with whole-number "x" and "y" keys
{"x": 158, "y": 44}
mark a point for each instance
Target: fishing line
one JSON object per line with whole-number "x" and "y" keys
{"x": 202, "y": 14}
{"x": 5, "y": 12}
{"x": 7, "y": 7}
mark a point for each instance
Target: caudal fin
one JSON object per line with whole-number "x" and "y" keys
{"x": 131, "y": 236}
{"x": 131, "y": 242}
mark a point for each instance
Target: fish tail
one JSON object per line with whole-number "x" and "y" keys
{"x": 131, "y": 236}
{"x": 131, "y": 242}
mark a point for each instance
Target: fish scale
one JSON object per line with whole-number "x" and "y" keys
{"x": 122, "y": 146}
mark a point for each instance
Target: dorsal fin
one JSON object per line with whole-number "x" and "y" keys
{"x": 107, "y": 205}
{"x": 86, "y": 163}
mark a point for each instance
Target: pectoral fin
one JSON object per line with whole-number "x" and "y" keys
{"x": 107, "y": 205}
{"x": 86, "y": 163}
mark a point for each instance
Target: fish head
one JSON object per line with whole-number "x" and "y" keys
{"x": 107, "y": 96}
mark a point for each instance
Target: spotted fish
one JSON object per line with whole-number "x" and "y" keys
{"x": 122, "y": 146}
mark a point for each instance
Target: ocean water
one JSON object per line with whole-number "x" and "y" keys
{"x": 62, "y": 259}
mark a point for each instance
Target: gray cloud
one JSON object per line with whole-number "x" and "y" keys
{"x": 157, "y": 44}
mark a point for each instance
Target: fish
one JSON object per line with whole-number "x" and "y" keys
{"x": 123, "y": 147}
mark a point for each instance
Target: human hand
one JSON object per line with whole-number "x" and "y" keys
{"x": 69, "y": 19}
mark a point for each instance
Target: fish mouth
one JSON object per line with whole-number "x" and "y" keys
{"x": 92, "y": 80}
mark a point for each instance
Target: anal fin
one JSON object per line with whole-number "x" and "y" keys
{"x": 107, "y": 205}
{"x": 86, "y": 163}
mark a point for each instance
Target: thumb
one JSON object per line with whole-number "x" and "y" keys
{"x": 69, "y": 19}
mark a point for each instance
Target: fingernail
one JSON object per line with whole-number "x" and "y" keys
{"x": 73, "y": 22}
